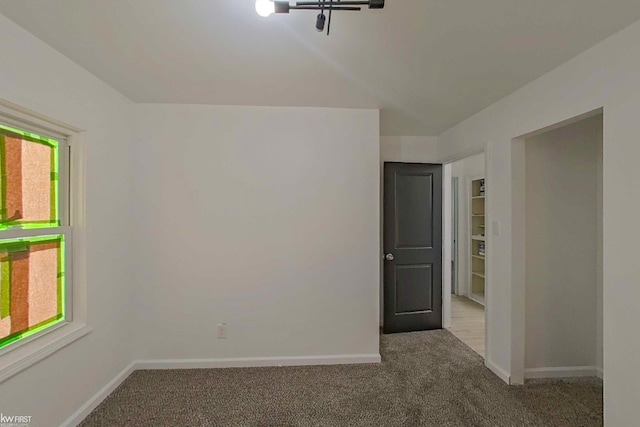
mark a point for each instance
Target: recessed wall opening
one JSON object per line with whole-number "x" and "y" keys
{"x": 563, "y": 250}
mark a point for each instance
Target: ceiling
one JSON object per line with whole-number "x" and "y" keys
{"x": 427, "y": 64}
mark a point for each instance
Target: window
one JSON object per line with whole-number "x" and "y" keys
{"x": 34, "y": 234}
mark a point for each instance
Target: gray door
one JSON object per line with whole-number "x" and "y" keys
{"x": 412, "y": 247}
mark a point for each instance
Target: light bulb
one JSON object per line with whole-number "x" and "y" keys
{"x": 265, "y": 7}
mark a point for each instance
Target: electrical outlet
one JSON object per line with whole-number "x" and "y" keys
{"x": 222, "y": 331}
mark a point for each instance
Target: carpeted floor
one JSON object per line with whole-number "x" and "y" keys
{"x": 426, "y": 379}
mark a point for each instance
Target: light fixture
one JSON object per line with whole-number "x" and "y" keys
{"x": 265, "y": 7}
{"x": 320, "y": 20}
{"x": 268, "y": 7}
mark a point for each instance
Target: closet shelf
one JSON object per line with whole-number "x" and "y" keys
{"x": 477, "y": 254}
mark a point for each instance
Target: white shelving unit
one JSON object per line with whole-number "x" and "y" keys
{"x": 478, "y": 247}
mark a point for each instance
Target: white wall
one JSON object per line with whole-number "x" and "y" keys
{"x": 36, "y": 77}
{"x": 409, "y": 149}
{"x": 562, "y": 247}
{"x": 403, "y": 149}
{"x": 603, "y": 76}
{"x": 465, "y": 169}
{"x": 263, "y": 218}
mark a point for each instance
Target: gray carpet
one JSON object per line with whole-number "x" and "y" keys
{"x": 426, "y": 379}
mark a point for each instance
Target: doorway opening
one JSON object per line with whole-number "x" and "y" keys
{"x": 563, "y": 311}
{"x": 468, "y": 250}
{"x": 557, "y": 250}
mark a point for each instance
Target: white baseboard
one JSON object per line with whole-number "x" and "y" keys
{"x": 562, "y": 372}
{"x": 600, "y": 373}
{"x": 240, "y": 362}
{"x": 500, "y": 373}
{"x": 253, "y": 362}
{"x": 97, "y": 398}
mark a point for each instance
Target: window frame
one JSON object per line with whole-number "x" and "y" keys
{"x": 22, "y": 353}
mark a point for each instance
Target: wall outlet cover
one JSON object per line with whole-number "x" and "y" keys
{"x": 222, "y": 330}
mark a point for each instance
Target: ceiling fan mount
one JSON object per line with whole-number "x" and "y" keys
{"x": 268, "y": 7}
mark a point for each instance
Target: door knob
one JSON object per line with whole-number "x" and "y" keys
{"x": 389, "y": 257}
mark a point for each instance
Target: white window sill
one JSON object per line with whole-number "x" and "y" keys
{"x": 25, "y": 356}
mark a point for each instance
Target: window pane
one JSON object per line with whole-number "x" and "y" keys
{"x": 28, "y": 180}
{"x": 31, "y": 286}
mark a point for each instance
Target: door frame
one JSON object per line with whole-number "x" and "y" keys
{"x": 446, "y": 234}
{"x": 455, "y": 235}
